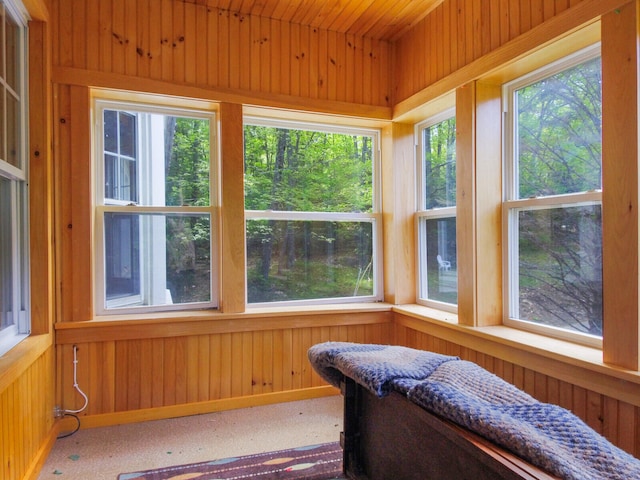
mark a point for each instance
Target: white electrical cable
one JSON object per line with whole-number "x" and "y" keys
{"x": 75, "y": 382}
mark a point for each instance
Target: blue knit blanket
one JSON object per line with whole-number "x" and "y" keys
{"x": 543, "y": 434}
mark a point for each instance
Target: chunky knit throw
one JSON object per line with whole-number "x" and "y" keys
{"x": 545, "y": 435}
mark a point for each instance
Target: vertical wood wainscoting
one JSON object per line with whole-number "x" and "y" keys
{"x": 134, "y": 379}
{"x": 26, "y": 418}
{"x": 609, "y": 406}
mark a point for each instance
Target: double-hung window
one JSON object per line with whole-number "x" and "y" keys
{"x": 312, "y": 213}
{"x": 14, "y": 238}
{"x": 155, "y": 198}
{"x": 436, "y": 212}
{"x": 552, "y": 212}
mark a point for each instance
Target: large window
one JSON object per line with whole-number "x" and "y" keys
{"x": 14, "y": 239}
{"x": 155, "y": 225}
{"x": 553, "y": 199}
{"x": 436, "y": 212}
{"x": 312, "y": 219}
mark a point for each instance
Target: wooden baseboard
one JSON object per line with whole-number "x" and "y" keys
{"x": 173, "y": 411}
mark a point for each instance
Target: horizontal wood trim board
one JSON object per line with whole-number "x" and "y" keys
{"x": 173, "y": 411}
{"x": 103, "y": 332}
{"x": 96, "y": 79}
{"x": 591, "y": 379}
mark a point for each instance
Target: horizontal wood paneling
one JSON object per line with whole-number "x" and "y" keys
{"x": 192, "y": 44}
{"x": 137, "y": 374}
{"x": 26, "y": 418}
{"x": 616, "y": 419}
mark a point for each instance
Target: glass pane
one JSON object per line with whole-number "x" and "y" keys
{"x": 127, "y": 130}
{"x": 559, "y": 133}
{"x": 110, "y": 126}
{"x": 12, "y": 46}
{"x": 560, "y": 268}
{"x": 187, "y": 160}
{"x": 169, "y": 166}
{"x": 441, "y": 281}
{"x": 439, "y": 164}
{"x": 307, "y": 171}
{"x": 13, "y": 131}
{"x": 6, "y": 254}
{"x": 299, "y": 260}
{"x": 153, "y": 259}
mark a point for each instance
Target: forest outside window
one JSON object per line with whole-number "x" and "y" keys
{"x": 312, "y": 213}
{"x": 553, "y": 199}
{"x": 436, "y": 212}
{"x": 14, "y": 238}
{"x": 155, "y": 224}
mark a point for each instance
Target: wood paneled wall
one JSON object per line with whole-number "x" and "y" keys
{"x": 616, "y": 419}
{"x": 189, "y": 43}
{"x": 139, "y": 374}
{"x": 460, "y": 32}
{"x": 26, "y": 419}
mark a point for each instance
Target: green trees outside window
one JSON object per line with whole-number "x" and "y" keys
{"x": 154, "y": 208}
{"x": 437, "y": 247}
{"x": 554, "y": 198}
{"x": 311, "y": 223}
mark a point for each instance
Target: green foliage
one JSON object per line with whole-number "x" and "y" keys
{"x": 559, "y": 151}
{"x": 187, "y": 166}
{"x": 440, "y": 164}
{"x": 305, "y": 171}
{"x": 188, "y": 163}
{"x": 560, "y": 133}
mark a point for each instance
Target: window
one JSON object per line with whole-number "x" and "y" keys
{"x": 436, "y": 215}
{"x": 155, "y": 199}
{"x": 553, "y": 199}
{"x": 14, "y": 239}
{"x": 312, "y": 219}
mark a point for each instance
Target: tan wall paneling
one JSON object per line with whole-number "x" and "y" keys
{"x": 41, "y": 181}
{"x": 466, "y": 203}
{"x": 73, "y": 202}
{"x": 620, "y": 185}
{"x": 479, "y": 197}
{"x": 141, "y": 378}
{"x": 188, "y": 43}
{"x": 232, "y": 208}
{"x": 616, "y": 419}
{"x": 26, "y": 420}
{"x": 398, "y": 207}
{"x": 479, "y": 37}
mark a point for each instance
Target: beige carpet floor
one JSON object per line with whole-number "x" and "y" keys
{"x": 104, "y": 453}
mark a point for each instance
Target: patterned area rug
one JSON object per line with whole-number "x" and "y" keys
{"x": 315, "y": 462}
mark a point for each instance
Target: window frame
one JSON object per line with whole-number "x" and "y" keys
{"x": 374, "y": 218}
{"x": 512, "y": 205}
{"x": 423, "y": 214}
{"x": 17, "y": 177}
{"x": 149, "y": 104}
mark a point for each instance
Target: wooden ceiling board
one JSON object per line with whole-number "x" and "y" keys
{"x": 385, "y": 20}
{"x": 376, "y": 20}
{"x": 343, "y": 21}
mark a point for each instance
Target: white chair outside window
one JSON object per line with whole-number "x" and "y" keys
{"x": 443, "y": 265}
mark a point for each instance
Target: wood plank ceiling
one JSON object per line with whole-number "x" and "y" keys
{"x": 379, "y": 19}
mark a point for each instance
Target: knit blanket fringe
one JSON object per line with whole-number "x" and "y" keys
{"x": 546, "y": 435}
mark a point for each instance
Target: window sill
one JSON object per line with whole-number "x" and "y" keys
{"x": 171, "y": 324}
{"x": 577, "y": 364}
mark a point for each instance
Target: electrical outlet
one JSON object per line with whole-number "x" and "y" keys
{"x": 58, "y": 412}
